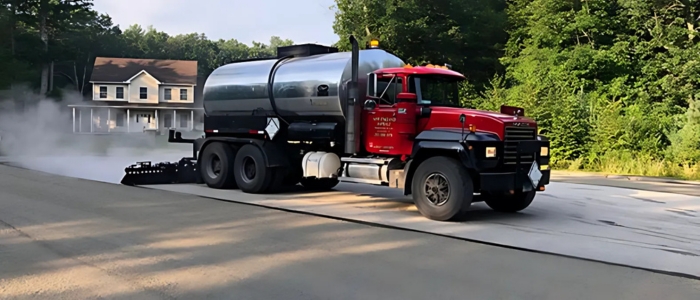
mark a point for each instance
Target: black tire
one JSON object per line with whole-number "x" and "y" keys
{"x": 322, "y": 184}
{"x": 251, "y": 174}
{"x": 442, "y": 170}
{"x": 509, "y": 203}
{"x": 216, "y": 166}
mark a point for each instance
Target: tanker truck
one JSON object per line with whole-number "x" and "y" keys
{"x": 316, "y": 116}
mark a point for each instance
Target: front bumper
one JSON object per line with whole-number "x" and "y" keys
{"x": 511, "y": 181}
{"x": 516, "y": 179}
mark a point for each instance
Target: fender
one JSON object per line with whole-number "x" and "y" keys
{"x": 273, "y": 154}
{"x": 448, "y": 142}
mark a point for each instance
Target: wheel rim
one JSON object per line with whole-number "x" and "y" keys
{"x": 214, "y": 167}
{"x": 437, "y": 189}
{"x": 248, "y": 169}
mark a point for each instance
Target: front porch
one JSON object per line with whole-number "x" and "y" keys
{"x": 128, "y": 119}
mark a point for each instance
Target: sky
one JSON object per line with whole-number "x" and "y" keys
{"x": 302, "y": 21}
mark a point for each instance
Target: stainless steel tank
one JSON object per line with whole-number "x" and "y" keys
{"x": 302, "y": 86}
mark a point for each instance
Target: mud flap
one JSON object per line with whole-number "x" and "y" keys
{"x": 144, "y": 173}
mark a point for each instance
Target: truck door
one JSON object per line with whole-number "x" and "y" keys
{"x": 382, "y": 133}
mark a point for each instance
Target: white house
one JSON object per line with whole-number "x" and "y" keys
{"x": 140, "y": 95}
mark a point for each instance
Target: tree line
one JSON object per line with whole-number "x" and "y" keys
{"x": 52, "y": 44}
{"x": 612, "y": 83}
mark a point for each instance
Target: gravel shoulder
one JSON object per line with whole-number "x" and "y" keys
{"x": 690, "y": 188}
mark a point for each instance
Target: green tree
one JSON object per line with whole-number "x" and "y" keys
{"x": 468, "y": 34}
{"x": 605, "y": 78}
{"x": 49, "y": 18}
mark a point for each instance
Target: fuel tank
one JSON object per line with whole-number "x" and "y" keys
{"x": 302, "y": 86}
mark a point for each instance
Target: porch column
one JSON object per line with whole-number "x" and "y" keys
{"x": 192, "y": 120}
{"x": 73, "y": 119}
{"x": 175, "y": 119}
{"x": 80, "y": 120}
{"x": 128, "y": 121}
{"x": 109, "y": 119}
{"x": 92, "y": 121}
{"x": 157, "y": 124}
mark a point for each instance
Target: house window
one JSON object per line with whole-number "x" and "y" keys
{"x": 120, "y": 118}
{"x": 183, "y": 94}
{"x": 103, "y": 92}
{"x": 143, "y": 93}
{"x": 168, "y": 120}
{"x": 168, "y": 94}
{"x": 120, "y": 92}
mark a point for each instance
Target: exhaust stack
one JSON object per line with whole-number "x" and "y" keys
{"x": 352, "y": 126}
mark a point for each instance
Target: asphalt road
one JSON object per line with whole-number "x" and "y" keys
{"x": 67, "y": 238}
{"x": 645, "y": 229}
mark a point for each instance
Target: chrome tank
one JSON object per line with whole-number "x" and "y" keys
{"x": 239, "y": 89}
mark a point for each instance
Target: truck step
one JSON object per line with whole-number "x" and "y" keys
{"x": 361, "y": 180}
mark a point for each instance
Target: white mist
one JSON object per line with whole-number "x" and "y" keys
{"x": 37, "y": 134}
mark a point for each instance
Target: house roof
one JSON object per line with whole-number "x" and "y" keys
{"x": 111, "y": 69}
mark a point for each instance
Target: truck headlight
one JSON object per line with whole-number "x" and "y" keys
{"x": 544, "y": 151}
{"x": 490, "y": 152}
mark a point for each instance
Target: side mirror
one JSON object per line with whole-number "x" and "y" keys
{"x": 370, "y": 104}
{"x": 372, "y": 84}
{"x": 411, "y": 97}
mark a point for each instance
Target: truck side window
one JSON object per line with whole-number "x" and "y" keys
{"x": 435, "y": 90}
{"x": 388, "y": 88}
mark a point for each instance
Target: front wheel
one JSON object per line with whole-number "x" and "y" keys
{"x": 442, "y": 188}
{"x": 509, "y": 203}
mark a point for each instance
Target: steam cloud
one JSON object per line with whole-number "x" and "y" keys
{"x": 36, "y": 133}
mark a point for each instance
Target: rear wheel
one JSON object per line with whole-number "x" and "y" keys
{"x": 251, "y": 174}
{"x": 216, "y": 166}
{"x": 442, "y": 188}
{"x": 509, "y": 203}
{"x": 319, "y": 184}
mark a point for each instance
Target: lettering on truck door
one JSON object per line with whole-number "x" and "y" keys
{"x": 380, "y": 131}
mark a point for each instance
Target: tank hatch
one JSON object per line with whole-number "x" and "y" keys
{"x": 304, "y": 50}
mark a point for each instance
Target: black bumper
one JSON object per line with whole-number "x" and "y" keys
{"x": 511, "y": 181}
{"x": 517, "y": 179}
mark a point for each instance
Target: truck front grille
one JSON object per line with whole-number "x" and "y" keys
{"x": 510, "y": 150}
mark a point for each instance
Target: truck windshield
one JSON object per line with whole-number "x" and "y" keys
{"x": 435, "y": 90}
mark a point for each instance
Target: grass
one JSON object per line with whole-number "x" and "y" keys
{"x": 627, "y": 164}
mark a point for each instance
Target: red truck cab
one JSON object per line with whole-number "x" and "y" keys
{"x": 415, "y": 112}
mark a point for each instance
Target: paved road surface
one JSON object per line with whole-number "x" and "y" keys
{"x": 66, "y": 238}
{"x": 645, "y": 229}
